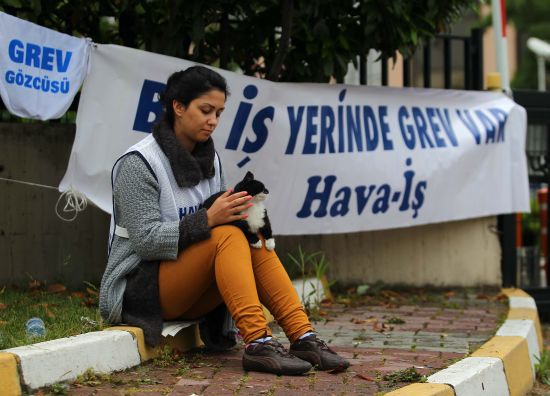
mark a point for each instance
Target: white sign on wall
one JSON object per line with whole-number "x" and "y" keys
{"x": 335, "y": 158}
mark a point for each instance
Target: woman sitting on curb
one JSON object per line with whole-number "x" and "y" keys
{"x": 171, "y": 260}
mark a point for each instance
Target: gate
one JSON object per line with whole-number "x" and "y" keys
{"x": 525, "y": 254}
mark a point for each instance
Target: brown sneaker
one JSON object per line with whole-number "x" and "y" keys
{"x": 318, "y": 353}
{"x": 271, "y": 357}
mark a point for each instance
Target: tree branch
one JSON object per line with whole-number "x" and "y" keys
{"x": 284, "y": 42}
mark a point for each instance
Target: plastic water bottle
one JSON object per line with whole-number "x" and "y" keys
{"x": 35, "y": 328}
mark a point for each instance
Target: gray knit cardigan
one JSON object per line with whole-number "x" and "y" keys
{"x": 136, "y": 207}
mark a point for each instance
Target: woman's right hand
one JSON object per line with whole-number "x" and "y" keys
{"x": 228, "y": 207}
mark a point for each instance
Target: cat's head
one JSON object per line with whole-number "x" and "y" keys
{"x": 254, "y": 187}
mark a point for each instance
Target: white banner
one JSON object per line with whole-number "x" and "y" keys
{"x": 335, "y": 158}
{"x": 41, "y": 70}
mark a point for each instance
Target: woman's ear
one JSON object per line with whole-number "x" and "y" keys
{"x": 178, "y": 108}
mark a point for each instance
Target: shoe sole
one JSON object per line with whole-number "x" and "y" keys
{"x": 265, "y": 365}
{"x": 315, "y": 360}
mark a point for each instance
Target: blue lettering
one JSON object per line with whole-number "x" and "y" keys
{"x": 311, "y": 130}
{"x": 363, "y": 199}
{"x": 327, "y": 128}
{"x": 490, "y": 128}
{"x": 295, "y": 121}
{"x": 408, "y": 184}
{"x": 466, "y": 119}
{"x": 384, "y": 127}
{"x": 430, "y": 112}
{"x": 421, "y": 127}
{"x": 371, "y": 130}
{"x": 407, "y": 131}
{"x": 147, "y": 106}
{"x": 10, "y": 76}
{"x": 15, "y": 51}
{"x": 382, "y": 203}
{"x": 313, "y": 194}
{"x": 32, "y": 55}
{"x": 259, "y": 129}
{"x": 354, "y": 128}
{"x": 47, "y": 58}
{"x": 341, "y": 207}
{"x": 62, "y": 64}
{"x": 447, "y": 126}
{"x": 501, "y": 117}
{"x": 249, "y": 92}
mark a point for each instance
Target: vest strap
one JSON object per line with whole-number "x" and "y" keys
{"x": 121, "y": 232}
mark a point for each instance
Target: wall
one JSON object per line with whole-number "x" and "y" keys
{"x": 34, "y": 243}
{"x": 459, "y": 253}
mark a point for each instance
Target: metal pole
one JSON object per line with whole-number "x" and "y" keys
{"x": 406, "y": 72}
{"x": 427, "y": 65}
{"x": 541, "y": 72}
{"x": 447, "y": 62}
{"x": 499, "y": 26}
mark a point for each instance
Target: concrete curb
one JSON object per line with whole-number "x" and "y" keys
{"x": 504, "y": 365}
{"x": 114, "y": 349}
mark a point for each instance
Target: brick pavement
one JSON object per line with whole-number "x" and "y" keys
{"x": 377, "y": 339}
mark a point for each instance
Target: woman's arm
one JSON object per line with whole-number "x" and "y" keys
{"x": 136, "y": 194}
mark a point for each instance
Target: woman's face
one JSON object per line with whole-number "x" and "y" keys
{"x": 196, "y": 122}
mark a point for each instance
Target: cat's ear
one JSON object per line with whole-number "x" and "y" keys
{"x": 249, "y": 176}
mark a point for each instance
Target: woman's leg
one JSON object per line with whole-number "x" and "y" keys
{"x": 188, "y": 285}
{"x": 277, "y": 293}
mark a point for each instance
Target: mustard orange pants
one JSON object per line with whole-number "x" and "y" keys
{"x": 225, "y": 268}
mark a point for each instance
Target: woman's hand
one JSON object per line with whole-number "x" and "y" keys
{"x": 228, "y": 207}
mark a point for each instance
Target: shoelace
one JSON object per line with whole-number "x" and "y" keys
{"x": 277, "y": 346}
{"x": 323, "y": 345}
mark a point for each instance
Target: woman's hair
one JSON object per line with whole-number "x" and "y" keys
{"x": 187, "y": 85}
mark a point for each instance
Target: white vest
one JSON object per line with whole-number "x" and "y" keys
{"x": 175, "y": 202}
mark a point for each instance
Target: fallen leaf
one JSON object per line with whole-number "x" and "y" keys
{"x": 89, "y": 302}
{"x": 78, "y": 294}
{"x": 450, "y": 294}
{"x": 91, "y": 291}
{"x": 56, "y": 288}
{"x": 3, "y": 306}
{"x": 367, "y": 378}
{"x": 34, "y": 284}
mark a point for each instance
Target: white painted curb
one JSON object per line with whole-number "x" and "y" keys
{"x": 522, "y": 302}
{"x": 474, "y": 376}
{"x": 64, "y": 359}
{"x": 523, "y": 328}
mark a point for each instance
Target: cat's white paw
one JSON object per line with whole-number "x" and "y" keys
{"x": 270, "y": 244}
{"x": 257, "y": 245}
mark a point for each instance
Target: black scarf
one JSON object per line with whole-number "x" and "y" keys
{"x": 188, "y": 168}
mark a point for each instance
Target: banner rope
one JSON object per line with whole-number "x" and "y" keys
{"x": 75, "y": 201}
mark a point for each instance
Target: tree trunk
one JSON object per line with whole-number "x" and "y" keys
{"x": 224, "y": 40}
{"x": 284, "y": 42}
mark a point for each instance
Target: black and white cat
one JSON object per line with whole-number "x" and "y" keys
{"x": 257, "y": 220}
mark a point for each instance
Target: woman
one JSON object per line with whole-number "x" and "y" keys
{"x": 172, "y": 259}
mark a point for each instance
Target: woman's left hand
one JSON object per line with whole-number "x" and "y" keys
{"x": 228, "y": 207}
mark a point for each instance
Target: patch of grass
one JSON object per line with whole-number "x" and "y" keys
{"x": 542, "y": 368}
{"x": 64, "y": 314}
{"x": 91, "y": 378}
{"x": 407, "y": 375}
{"x": 167, "y": 357}
{"x": 242, "y": 381}
{"x": 59, "y": 388}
